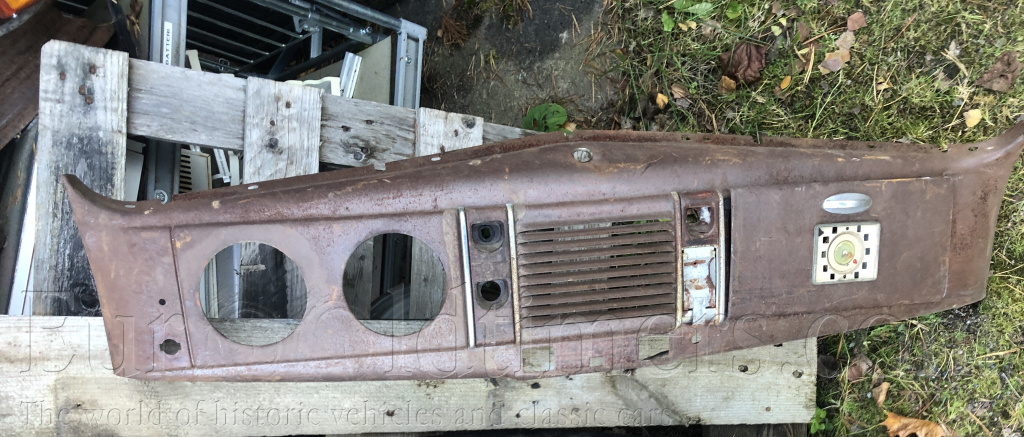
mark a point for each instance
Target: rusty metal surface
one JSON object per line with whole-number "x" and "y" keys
{"x": 596, "y": 267}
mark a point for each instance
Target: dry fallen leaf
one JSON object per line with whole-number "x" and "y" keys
{"x": 880, "y": 392}
{"x": 856, "y": 21}
{"x": 726, "y": 85}
{"x": 802, "y": 31}
{"x": 834, "y": 61}
{"x": 900, "y": 426}
{"x": 859, "y": 367}
{"x": 846, "y": 40}
{"x": 678, "y": 91}
{"x": 882, "y": 85}
{"x": 661, "y": 100}
{"x": 972, "y": 117}
{"x": 785, "y": 82}
{"x": 1002, "y": 74}
{"x": 569, "y": 126}
{"x": 744, "y": 62}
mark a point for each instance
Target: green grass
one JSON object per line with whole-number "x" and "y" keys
{"x": 941, "y": 366}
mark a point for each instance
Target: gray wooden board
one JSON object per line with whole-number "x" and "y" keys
{"x": 82, "y": 95}
{"x": 281, "y": 139}
{"x": 436, "y": 132}
{"x": 207, "y": 109}
{"x": 57, "y": 380}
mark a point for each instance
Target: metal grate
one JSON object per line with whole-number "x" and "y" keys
{"x": 582, "y": 273}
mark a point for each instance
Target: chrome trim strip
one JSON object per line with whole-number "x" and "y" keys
{"x": 677, "y": 215}
{"x": 467, "y": 281}
{"x": 512, "y": 249}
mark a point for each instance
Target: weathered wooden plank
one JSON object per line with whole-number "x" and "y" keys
{"x": 439, "y": 131}
{"x": 436, "y": 132}
{"x": 57, "y": 380}
{"x": 19, "y": 77}
{"x": 206, "y": 109}
{"x": 281, "y": 139}
{"x": 358, "y": 132}
{"x": 185, "y": 106}
{"x": 82, "y": 131}
{"x": 282, "y": 130}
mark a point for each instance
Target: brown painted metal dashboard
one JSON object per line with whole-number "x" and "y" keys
{"x": 603, "y": 250}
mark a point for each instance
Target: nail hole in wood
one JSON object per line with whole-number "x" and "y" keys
{"x": 345, "y": 128}
{"x": 273, "y": 123}
{"x": 88, "y": 100}
{"x": 369, "y": 122}
{"x": 287, "y": 104}
{"x": 92, "y": 69}
{"x": 63, "y": 75}
{"x": 81, "y": 90}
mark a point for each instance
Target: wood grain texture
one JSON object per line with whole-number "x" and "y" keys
{"x": 20, "y": 54}
{"x": 82, "y": 130}
{"x": 57, "y": 380}
{"x": 186, "y": 106}
{"x": 207, "y": 109}
{"x": 281, "y": 139}
{"x": 436, "y": 132}
{"x": 359, "y": 132}
{"x": 439, "y": 131}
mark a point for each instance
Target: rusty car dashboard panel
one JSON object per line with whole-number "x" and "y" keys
{"x": 556, "y": 255}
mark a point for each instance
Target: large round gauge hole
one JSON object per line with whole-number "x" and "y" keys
{"x": 394, "y": 284}
{"x": 252, "y": 293}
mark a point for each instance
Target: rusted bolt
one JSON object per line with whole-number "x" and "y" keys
{"x": 88, "y": 100}
{"x": 81, "y": 90}
{"x": 273, "y": 123}
{"x": 92, "y": 69}
{"x": 288, "y": 104}
{"x": 743, "y": 368}
{"x": 272, "y": 143}
{"x": 583, "y": 154}
{"x": 357, "y": 156}
{"x": 364, "y": 150}
{"x": 63, "y": 75}
{"x": 469, "y": 122}
{"x": 798, "y": 373}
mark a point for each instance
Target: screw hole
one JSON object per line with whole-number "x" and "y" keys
{"x": 743, "y": 368}
{"x": 170, "y": 347}
{"x": 162, "y": 302}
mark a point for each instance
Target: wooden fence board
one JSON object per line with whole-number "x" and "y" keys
{"x": 82, "y": 111}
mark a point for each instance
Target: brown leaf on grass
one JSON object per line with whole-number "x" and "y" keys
{"x": 900, "y": 426}
{"x": 834, "y": 61}
{"x": 726, "y": 85}
{"x": 859, "y": 367}
{"x": 1002, "y": 74}
{"x": 776, "y": 8}
{"x": 785, "y": 82}
{"x": 678, "y": 91}
{"x": 743, "y": 63}
{"x": 846, "y": 40}
{"x": 879, "y": 393}
{"x": 856, "y": 21}
{"x": 803, "y": 31}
